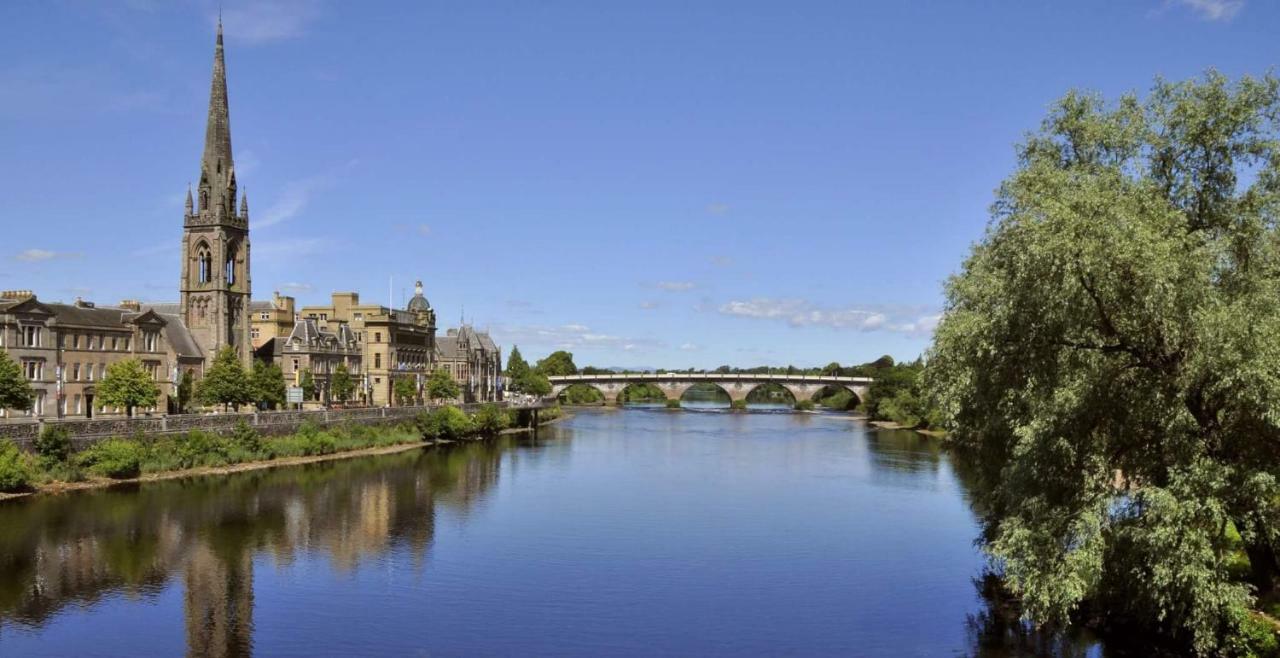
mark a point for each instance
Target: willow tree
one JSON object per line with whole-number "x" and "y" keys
{"x": 1110, "y": 353}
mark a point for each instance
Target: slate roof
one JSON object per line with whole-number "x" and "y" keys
{"x": 447, "y": 347}
{"x": 179, "y": 337}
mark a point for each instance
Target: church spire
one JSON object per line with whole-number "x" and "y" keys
{"x": 217, "y": 173}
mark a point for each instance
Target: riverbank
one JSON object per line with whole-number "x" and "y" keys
{"x": 402, "y": 439}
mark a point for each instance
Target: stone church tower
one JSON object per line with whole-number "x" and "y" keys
{"x": 215, "y": 287}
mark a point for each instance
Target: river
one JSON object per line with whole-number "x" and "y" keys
{"x": 628, "y": 531}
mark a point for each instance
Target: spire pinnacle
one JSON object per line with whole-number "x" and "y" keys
{"x": 217, "y": 178}
{"x": 189, "y": 203}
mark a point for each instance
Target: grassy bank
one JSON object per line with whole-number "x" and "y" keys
{"x": 55, "y": 467}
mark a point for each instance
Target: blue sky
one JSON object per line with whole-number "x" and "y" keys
{"x": 654, "y": 183}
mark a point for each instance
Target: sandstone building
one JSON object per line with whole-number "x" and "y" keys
{"x": 474, "y": 361}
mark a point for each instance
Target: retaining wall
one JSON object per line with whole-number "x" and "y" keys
{"x": 85, "y": 432}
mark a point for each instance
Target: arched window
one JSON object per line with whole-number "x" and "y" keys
{"x": 204, "y": 263}
{"x": 230, "y": 266}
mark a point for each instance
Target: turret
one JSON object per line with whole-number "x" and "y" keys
{"x": 244, "y": 207}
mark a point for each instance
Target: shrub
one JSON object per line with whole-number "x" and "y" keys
{"x": 673, "y": 404}
{"x": 246, "y": 438}
{"x": 15, "y": 467}
{"x": 113, "y": 458}
{"x": 198, "y": 448}
{"x": 738, "y": 404}
{"x": 445, "y": 423}
{"x": 53, "y": 445}
{"x": 490, "y": 420}
{"x": 804, "y": 405}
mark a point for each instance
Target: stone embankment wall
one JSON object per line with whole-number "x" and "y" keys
{"x": 87, "y": 431}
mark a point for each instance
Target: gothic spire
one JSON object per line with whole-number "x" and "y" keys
{"x": 216, "y": 170}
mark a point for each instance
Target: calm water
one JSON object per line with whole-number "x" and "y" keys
{"x": 617, "y": 532}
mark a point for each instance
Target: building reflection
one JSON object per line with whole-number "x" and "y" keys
{"x": 58, "y": 552}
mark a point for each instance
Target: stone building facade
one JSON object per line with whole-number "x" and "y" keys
{"x": 320, "y": 351}
{"x": 474, "y": 361}
{"x": 64, "y": 351}
{"x": 396, "y": 344}
{"x": 273, "y": 319}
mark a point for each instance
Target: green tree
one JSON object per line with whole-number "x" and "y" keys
{"x": 535, "y": 383}
{"x": 186, "y": 390}
{"x": 128, "y": 385}
{"x": 15, "y": 390}
{"x": 517, "y": 368}
{"x": 832, "y": 369}
{"x": 307, "y": 382}
{"x": 405, "y": 390}
{"x": 558, "y": 363}
{"x": 226, "y": 383}
{"x": 268, "y": 384}
{"x": 1109, "y": 355}
{"x": 343, "y": 385}
{"x": 440, "y": 385}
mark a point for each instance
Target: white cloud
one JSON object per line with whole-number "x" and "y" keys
{"x": 294, "y": 286}
{"x": 676, "y": 286}
{"x": 721, "y": 261}
{"x": 690, "y": 347}
{"x": 568, "y": 337}
{"x": 649, "y": 306}
{"x": 261, "y": 21}
{"x": 718, "y": 208}
{"x": 1214, "y": 10}
{"x": 295, "y": 197}
{"x": 424, "y": 230}
{"x": 803, "y": 313}
{"x": 39, "y": 255}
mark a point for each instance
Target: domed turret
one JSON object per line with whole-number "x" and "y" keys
{"x": 418, "y": 304}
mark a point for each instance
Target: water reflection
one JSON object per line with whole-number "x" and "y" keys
{"x": 76, "y": 550}
{"x": 621, "y": 531}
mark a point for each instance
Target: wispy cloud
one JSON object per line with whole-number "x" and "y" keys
{"x": 157, "y": 249}
{"x": 262, "y": 21}
{"x": 570, "y": 336}
{"x": 718, "y": 208}
{"x": 721, "y": 261}
{"x": 675, "y": 286}
{"x": 424, "y": 230}
{"x": 295, "y": 197}
{"x": 40, "y": 255}
{"x": 649, "y": 305}
{"x": 294, "y": 286}
{"x": 1214, "y": 10}
{"x": 803, "y": 313}
{"x": 690, "y": 347}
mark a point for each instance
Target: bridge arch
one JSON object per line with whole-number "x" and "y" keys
{"x": 770, "y": 389}
{"x": 642, "y": 392}
{"x": 837, "y": 396}
{"x": 723, "y": 393}
{"x": 583, "y": 394}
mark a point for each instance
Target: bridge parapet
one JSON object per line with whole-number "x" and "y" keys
{"x": 737, "y": 385}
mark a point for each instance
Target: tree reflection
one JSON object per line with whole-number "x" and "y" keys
{"x": 74, "y": 550}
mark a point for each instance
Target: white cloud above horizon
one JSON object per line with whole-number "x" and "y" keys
{"x": 1214, "y": 10}
{"x": 803, "y": 313}
{"x": 39, "y": 255}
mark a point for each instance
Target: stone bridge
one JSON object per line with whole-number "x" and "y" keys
{"x": 738, "y": 386}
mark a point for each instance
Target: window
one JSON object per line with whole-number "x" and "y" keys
{"x": 34, "y": 370}
{"x": 253, "y": 333}
{"x": 115, "y": 343}
{"x": 295, "y": 365}
{"x": 37, "y": 409}
{"x": 265, "y": 315}
{"x": 102, "y": 371}
{"x": 127, "y": 340}
{"x": 75, "y": 341}
{"x": 75, "y": 372}
{"x": 31, "y": 336}
{"x": 62, "y": 341}
{"x": 377, "y": 336}
{"x": 377, "y": 360}
{"x": 231, "y": 269}
{"x": 77, "y": 410}
{"x": 150, "y": 340}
